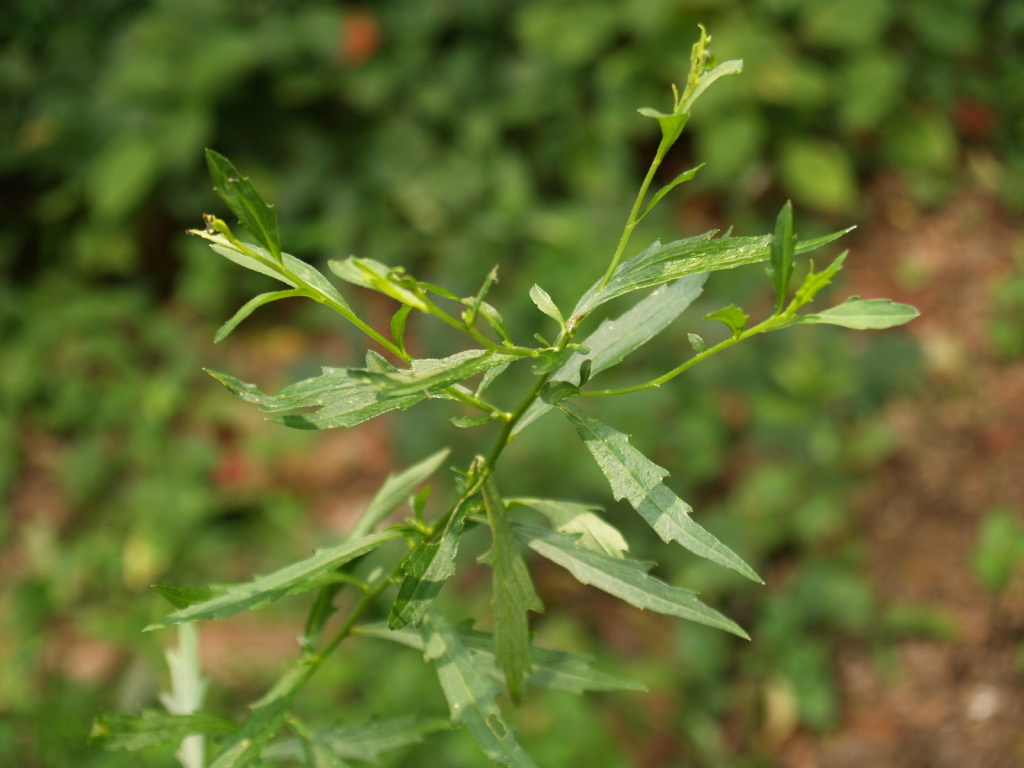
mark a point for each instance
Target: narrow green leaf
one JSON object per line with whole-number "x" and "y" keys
{"x": 698, "y": 344}
{"x": 732, "y": 316}
{"x": 153, "y": 729}
{"x": 398, "y": 321}
{"x": 780, "y": 259}
{"x": 625, "y": 578}
{"x": 638, "y": 479}
{"x": 546, "y": 305}
{"x": 512, "y": 595}
{"x": 816, "y": 281}
{"x": 182, "y": 597}
{"x": 394, "y": 491}
{"x": 862, "y": 314}
{"x": 470, "y": 694}
{"x": 366, "y": 742}
{"x": 293, "y": 579}
{"x": 474, "y": 302}
{"x": 466, "y": 422}
{"x": 430, "y": 375}
{"x": 579, "y": 520}
{"x": 671, "y": 125}
{"x": 430, "y": 564}
{"x": 379, "y": 277}
{"x": 681, "y": 178}
{"x": 733, "y": 67}
{"x": 496, "y": 321}
{"x": 245, "y": 202}
{"x": 614, "y": 339}
{"x": 249, "y": 307}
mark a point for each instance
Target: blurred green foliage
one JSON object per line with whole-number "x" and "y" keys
{"x": 516, "y": 123}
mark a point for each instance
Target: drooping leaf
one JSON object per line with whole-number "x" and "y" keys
{"x": 430, "y": 375}
{"x": 249, "y": 307}
{"x": 638, "y": 479}
{"x": 394, "y": 491}
{"x": 546, "y": 305}
{"x": 470, "y": 694}
{"x": 579, "y": 520}
{"x": 732, "y": 316}
{"x": 153, "y": 729}
{"x": 245, "y": 202}
{"x": 780, "y": 259}
{"x": 692, "y": 255}
{"x": 614, "y": 339}
{"x": 430, "y": 564}
{"x": 298, "y": 577}
{"x": 512, "y": 595}
{"x": 625, "y": 578}
{"x": 862, "y": 314}
{"x": 366, "y": 742}
{"x": 381, "y": 278}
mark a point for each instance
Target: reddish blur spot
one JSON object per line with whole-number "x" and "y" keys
{"x": 974, "y": 120}
{"x": 360, "y": 37}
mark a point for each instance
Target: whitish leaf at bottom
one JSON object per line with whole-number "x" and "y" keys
{"x": 470, "y": 694}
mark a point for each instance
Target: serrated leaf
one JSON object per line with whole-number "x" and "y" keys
{"x": 293, "y": 579}
{"x": 470, "y": 694}
{"x": 863, "y": 314}
{"x": 581, "y": 521}
{"x": 245, "y": 202}
{"x": 638, "y": 479}
{"x": 249, "y": 307}
{"x": 780, "y": 258}
{"x": 394, "y": 491}
{"x": 816, "y": 281}
{"x": 182, "y": 597}
{"x": 366, "y": 742}
{"x": 625, "y": 578}
{"x": 692, "y": 255}
{"x": 698, "y": 344}
{"x": 681, "y": 178}
{"x": 546, "y": 305}
{"x": 512, "y": 595}
{"x": 430, "y": 375}
{"x": 734, "y": 317}
{"x": 614, "y": 339}
{"x": 153, "y": 729}
{"x": 430, "y": 564}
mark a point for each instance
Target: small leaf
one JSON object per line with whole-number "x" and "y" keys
{"x": 546, "y": 305}
{"x": 249, "y": 307}
{"x": 579, "y": 520}
{"x": 470, "y": 694}
{"x": 732, "y": 316}
{"x": 780, "y": 259}
{"x": 553, "y": 391}
{"x": 379, "y": 277}
{"x": 862, "y": 314}
{"x": 183, "y": 597}
{"x": 550, "y": 360}
{"x": 816, "y": 281}
{"x": 585, "y": 369}
{"x": 153, "y": 729}
{"x": 682, "y": 177}
{"x": 467, "y": 422}
{"x": 625, "y": 578}
{"x": 301, "y": 576}
{"x": 999, "y": 551}
{"x": 496, "y": 321}
{"x": 638, "y": 479}
{"x": 697, "y": 343}
{"x": 394, "y": 491}
{"x": 366, "y": 742}
{"x": 398, "y": 321}
{"x": 245, "y": 202}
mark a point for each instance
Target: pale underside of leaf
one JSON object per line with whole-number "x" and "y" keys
{"x": 579, "y": 520}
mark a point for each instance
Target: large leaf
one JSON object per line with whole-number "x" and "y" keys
{"x": 638, "y": 479}
{"x": 153, "y": 729}
{"x": 579, "y": 520}
{"x": 862, "y": 314}
{"x": 470, "y": 694}
{"x": 614, "y": 339}
{"x": 430, "y": 564}
{"x": 394, "y": 491}
{"x": 430, "y": 375}
{"x": 512, "y": 595}
{"x": 298, "y": 577}
{"x": 364, "y": 742}
{"x": 625, "y": 578}
{"x": 245, "y": 202}
{"x": 554, "y": 670}
{"x": 692, "y": 255}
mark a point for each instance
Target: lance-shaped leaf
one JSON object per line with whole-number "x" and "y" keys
{"x": 249, "y": 307}
{"x": 512, "y": 595}
{"x": 293, "y": 579}
{"x": 614, "y": 339}
{"x": 638, "y": 479}
{"x": 546, "y": 304}
{"x": 394, "y": 491}
{"x": 780, "y": 258}
{"x": 681, "y": 178}
{"x": 693, "y": 255}
{"x": 470, "y": 694}
{"x": 579, "y": 520}
{"x": 430, "y": 375}
{"x": 366, "y": 742}
{"x": 625, "y": 578}
{"x": 245, "y": 202}
{"x": 430, "y": 564}
{"x": 862, "y": 314}
{"x": 380, "y": 277}
{"x": 154, "y": 729}
{"x": 554, "y": 670}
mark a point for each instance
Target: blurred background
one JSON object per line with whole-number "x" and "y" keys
{"x": 874, "y": 479}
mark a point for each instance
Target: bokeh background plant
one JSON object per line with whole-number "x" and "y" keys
{"x": 122, "y": 464}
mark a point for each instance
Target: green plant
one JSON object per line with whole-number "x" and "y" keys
{"x": 419, "y": 553}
